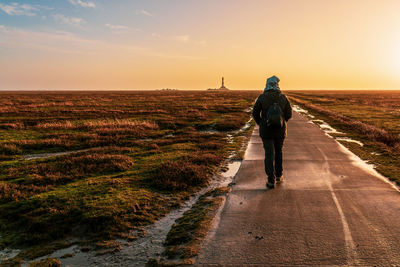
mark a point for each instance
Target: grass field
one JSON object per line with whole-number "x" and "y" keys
{"x": 138, "y": 155}
{"x": 371, "y": 117}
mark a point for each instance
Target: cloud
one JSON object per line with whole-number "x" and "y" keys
{"x": 19, "y": 9}
{"x": 83, "y": 3}
{"x": 119, "y": 29}
{"x": 116, "y": 27}
{"x": 182, "y": 38}
{"x": 144, "y": 12}
{"x": 202, "y": 43}
{"x": 68, "y": 20}
{"x": 62, "y": 42}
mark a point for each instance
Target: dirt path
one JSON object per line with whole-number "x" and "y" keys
{"x": 332, "y": 210}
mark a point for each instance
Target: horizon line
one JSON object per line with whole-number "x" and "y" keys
{"x": 177, "y": 89}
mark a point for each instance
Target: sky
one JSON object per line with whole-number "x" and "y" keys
{"x": 191, "y": 44}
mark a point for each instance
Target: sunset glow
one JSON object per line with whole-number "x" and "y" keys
{"x": 122, "y": 44}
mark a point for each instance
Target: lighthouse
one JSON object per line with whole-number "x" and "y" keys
{"x": 223, "y": 85}
{"x": 221, "y": 88}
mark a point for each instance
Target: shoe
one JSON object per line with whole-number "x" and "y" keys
{"x": 270, "y": 185}
{"x": 279, "y": 179}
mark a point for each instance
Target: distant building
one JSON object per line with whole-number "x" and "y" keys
{"x": 222, "y": 88}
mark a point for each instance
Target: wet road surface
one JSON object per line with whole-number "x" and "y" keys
{"x": 329, "y": 211}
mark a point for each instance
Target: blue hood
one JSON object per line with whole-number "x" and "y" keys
{"x": 272, "y": 84}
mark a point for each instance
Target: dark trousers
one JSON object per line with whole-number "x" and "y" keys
{"x": 273, "y": 158}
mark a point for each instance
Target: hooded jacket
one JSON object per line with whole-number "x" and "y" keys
{"x": 271, "y": 94}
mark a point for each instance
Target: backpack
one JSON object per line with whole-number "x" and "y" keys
{"x": 274, "y": 118}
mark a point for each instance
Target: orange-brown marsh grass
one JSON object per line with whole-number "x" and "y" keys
{"x": 144, "y": 152}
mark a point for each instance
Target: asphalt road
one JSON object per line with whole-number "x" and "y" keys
{"x": 329, "y": 211}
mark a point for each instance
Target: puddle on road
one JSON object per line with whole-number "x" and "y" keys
{"x": 326, "y": 127}
{"x": 346, "y": 139}
{"x": 246, "y": 126}
{"x": 302, "y": 111}
{"x": 228, "y": 176}
{"x": 329, "y": 129}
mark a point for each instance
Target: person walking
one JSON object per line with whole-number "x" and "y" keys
{"x": 271, "y": 112}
